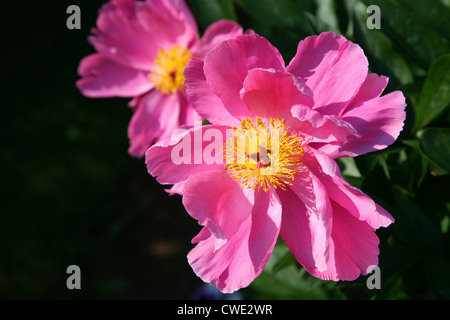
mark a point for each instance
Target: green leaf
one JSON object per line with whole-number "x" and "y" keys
{"x": 411, "y": 92}
{"x": 435, "y": 144}
{"x": 435, "y": 95}
{"x": 284, "y": 278}
{"x": 414, "y": 227}
{"x": 438, "y": 276}
{"x": 290, "y": 283}
{"x": 280, "y": 258}
{"x": 415, "y": 38}
{"x": 285, "y": 261}
{"x": 348, "y": 167}
{"x": 283, "y": 22}
{"x": 419, "y": 162}
{"x": 445, "y": 224}
{"x": 396, "y": 256}
{"x": 286, "y": 14}
{"x": 433, "y": 12}
{"x": 383, "y": 57}
{"x": 436, "y": 170}
{"x": 208, "y": 11}
{"x": 350, "y": 171}
{"x": 377, "y": 183}
{"x": 327, "y": 15}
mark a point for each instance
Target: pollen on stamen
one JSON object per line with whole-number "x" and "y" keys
{"x": 262, "y": 156}
{"x": 167, "y": 74}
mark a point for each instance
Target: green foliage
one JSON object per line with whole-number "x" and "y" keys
{"x": 209, "y": 11}
{"x": 435, "y": 144}
{"x": 283, "y": 278}
{"x": 434, "y": 98}
{"x": 416, "y": 39}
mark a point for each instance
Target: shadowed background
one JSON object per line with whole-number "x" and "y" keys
{"x": 70, "y": 193}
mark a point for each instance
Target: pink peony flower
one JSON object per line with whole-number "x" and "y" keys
{"x": 265, "y": 166}
{"x": 142, "y": 49}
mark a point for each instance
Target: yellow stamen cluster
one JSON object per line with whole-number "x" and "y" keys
{"x": 167, "y": 75}
{"x": 263, "y": 155}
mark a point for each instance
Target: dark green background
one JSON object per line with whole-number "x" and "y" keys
{"x": 70, "y": 194}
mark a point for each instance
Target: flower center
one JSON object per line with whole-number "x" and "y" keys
{"x": 264, "y": 155}
{"x": 167, "y": 75}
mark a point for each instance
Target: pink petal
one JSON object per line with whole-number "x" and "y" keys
{"x": 348, "y": 224}
{"x": 228, "y": 64}
{"x": 216, "y": 33}
{"x": 177, "y": 188}
{"x": 378, "y": 122}
{"x": 320, "y": 163}
{"x": 161, "y": 165}
{"x": 332, "y": 67}
{"x": 320, "y": 129}
{"x": 353, "y": 200}
{"x": 120, "y": 35}
{"x": 174, "y": 9}
{"x": 205, "y": 102}
{"x": 353, "y": 247}
{"x": 357, "y": 203}
{"x": 351, "y": 244}
{"x": 307, "y": 220}
{"x": 204, "y": 234}
{"x": 177, "y": 16}
{"x": 295, "y": 229}
{"x": 188, "y": 116}
{"x": 372, "y": 87}
{"x": 270, "y": 93}
{"x": 155, "y": 118}
{"x": 103, "y": 77}
{"x": 217, "y": 201}
{"x": 243, "y": 257}
{"x": 131, "y": 32}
